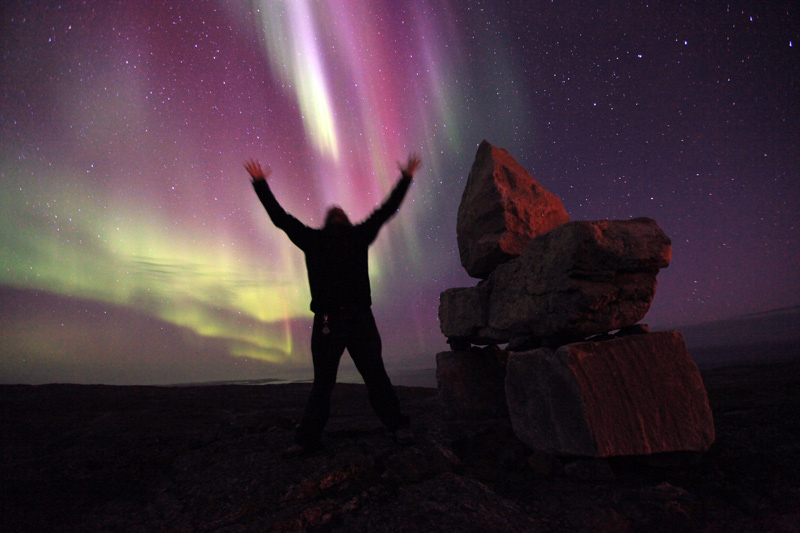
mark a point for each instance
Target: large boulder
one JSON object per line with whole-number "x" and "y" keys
{"x": 581, "y": 279}
{"x": 502, "y": 209}
{"x": 637, "y": 395}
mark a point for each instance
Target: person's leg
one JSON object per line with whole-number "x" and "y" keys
{"x": 326, "y": 351}
{"x": 364, "y": 346}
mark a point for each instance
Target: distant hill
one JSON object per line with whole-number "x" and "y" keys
{"x": 758, "y": 337}
{"x": 777, "y": 326}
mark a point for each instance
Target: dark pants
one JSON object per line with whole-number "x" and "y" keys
{"x": 356, "y": 331}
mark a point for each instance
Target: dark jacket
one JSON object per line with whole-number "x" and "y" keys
{"x": 336, "y": 257}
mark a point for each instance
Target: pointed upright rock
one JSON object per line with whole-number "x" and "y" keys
{"x": 501, "y": 210}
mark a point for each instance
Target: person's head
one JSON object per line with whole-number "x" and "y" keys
{"x": 336, "y": 217}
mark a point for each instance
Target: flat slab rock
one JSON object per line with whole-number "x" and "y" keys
{"x": 501, "y": 210}
{"x": 637, "y": 395}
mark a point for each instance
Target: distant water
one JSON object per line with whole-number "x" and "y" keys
{"x": 261, "y": 381}
{"x": 416, "y": 377}
{"x": 401, "y": 377}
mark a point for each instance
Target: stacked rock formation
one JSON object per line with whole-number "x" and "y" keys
{"x": 579, "y": 375}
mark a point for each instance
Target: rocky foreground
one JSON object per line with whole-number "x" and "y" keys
{"x": 90, "y": 458}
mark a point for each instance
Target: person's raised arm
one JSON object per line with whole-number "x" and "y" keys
{"x": 259, "y": 179}
{"x": 381, "y": 215}
{"x": 295, "y": 229}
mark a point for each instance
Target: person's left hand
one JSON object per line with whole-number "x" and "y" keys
{"x": 411, "y": 165}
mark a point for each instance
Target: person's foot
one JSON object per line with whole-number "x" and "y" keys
{"x": 404, "y": 435}
{"x": 302, "y": 450}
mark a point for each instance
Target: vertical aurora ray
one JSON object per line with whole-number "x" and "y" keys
{"x": 289, "y": 30}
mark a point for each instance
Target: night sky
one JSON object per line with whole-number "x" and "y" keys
{"x": 135, "y": 251}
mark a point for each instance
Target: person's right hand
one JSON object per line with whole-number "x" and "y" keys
{"x": 411, "y": 165}
{"x": 253, "y": 167}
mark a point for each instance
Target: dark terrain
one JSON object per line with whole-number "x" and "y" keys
{"x": 88, "y": 458}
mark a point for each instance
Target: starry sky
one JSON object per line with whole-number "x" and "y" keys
{"x": 133, "y": 249}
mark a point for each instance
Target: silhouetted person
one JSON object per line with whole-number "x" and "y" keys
{"x": 338, "y": 276}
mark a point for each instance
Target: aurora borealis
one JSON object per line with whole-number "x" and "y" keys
{"x": 135, "y": 251}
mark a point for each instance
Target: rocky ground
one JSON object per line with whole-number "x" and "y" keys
{"x": 90, "y": 458}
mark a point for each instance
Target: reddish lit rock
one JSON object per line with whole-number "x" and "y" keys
{"x": 581, "y": 279}
{"x": 502, "y": 209}
{"x": 637, "y": 395}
